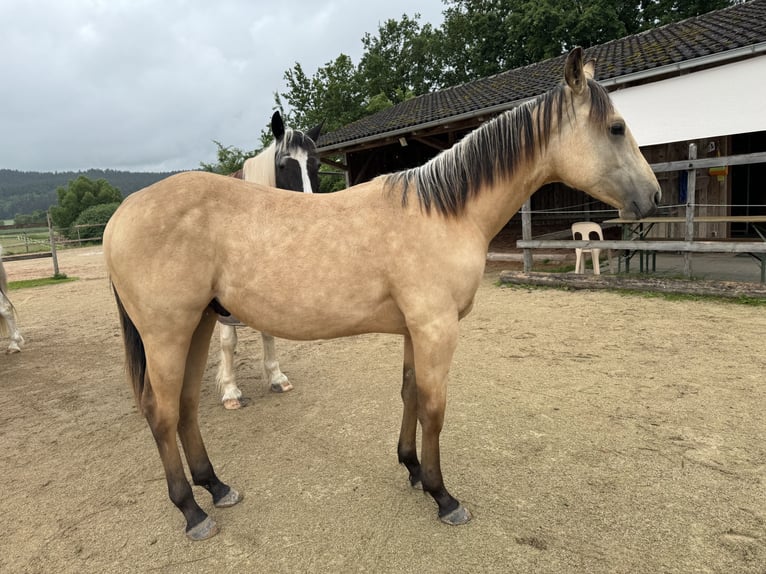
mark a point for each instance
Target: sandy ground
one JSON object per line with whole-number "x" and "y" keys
{"x": 586, "y": 431}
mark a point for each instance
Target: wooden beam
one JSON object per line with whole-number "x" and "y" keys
{"x": 656, "y": 284}
{"x": 437, "y": 145}
{"x": 682, "y": 165}
{"x": 650, "y": 245}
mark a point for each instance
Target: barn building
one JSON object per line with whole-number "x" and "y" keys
{"x": 698, "y": 81}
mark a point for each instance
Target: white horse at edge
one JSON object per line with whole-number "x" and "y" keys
{"x": 8, "y": 312}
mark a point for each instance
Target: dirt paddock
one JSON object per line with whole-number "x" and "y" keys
{"x": 586, "y": 431}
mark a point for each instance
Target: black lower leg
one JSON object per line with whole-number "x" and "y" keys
{"x": 181, "y": 495}
{"x": 210, "y": 482}
{"x": 410, "y": 460}
{"x": 446, "y": 502}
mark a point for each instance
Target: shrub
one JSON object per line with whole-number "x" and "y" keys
{"x": 93, "y": 219}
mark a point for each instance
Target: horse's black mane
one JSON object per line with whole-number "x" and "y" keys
{"x": 492, "y": 151}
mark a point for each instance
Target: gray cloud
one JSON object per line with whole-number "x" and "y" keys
{"x": 148, "y": 84}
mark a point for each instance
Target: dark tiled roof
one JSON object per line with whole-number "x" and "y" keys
{"x": 713, "y": 33}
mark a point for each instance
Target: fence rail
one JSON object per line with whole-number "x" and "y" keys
{"x": 23, "y": 242}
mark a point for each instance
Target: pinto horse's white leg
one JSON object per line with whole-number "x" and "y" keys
{"x": 7, "y": 320}
{"x": 278, "y": 381}
{"x": 225, "y": 379}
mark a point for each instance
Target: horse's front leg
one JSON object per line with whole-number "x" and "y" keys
{"x": 433, "y": 347}
{"x": 278, "y": 381}
{"x": 6, "y": 315}
{"x": 225, "y": 378}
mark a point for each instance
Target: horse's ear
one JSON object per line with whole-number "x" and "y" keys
{"x": 277, "y": 126}
{"x": 314, "y": 132}
{"x": 575, "y": 72}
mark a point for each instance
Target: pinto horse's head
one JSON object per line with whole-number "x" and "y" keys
{"x": 603, "y": 158}
{"x": 296, "y": 162}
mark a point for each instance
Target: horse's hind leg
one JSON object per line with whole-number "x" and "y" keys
{"x": 160, "y": 402}
{"x": 169, "y": 402}
{"x": 278, "y": 381}
{"x": 407, "y": 448}
{"x": 225, "y": 378}
{"x": 6, "y": 317}
{"x": 188, "y": 428}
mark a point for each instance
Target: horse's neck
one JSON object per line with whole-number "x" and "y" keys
{"x": 493, "y": 206}
{"x": 260, "y": 169}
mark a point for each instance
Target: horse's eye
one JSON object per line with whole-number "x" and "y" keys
{"x": 617, "y": 129}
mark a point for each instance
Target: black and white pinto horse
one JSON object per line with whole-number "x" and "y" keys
{"x": 7, "y": 313}
{"x": 290, "y": 162}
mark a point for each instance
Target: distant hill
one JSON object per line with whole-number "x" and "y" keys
{"x": 23, "y": 192}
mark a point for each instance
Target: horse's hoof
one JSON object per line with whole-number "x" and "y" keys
{"x": 232, "y": 497}
{"x": 281, "y": 387}
{"x": 12, "y": 350}
{"x": 232, "y": 404}
{"x": 458, "y": 516}
{"x": 204, "y": 530}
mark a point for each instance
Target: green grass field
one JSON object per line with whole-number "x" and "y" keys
{"x": 30, "y": 240}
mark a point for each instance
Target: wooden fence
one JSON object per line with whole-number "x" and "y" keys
{"x": 30, "y": 245}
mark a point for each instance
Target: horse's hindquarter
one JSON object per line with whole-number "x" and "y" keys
{"x": 294, "y": 265}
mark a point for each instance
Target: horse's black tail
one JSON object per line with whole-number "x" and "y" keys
{"x": 135, "y": 356}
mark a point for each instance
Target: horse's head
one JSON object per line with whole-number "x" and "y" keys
{"x": 296, "y": 162}
{"x": 600, "y": 156}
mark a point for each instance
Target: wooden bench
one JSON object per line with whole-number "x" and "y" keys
{"x": 757, "y": 249}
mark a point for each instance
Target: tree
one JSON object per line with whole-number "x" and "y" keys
{"x": 91, "y": 222}
{"x": 332, "y": 95}
{"x": 399, "y": 62}
{"x": 37, "y": 217}
{"x": 78, "y": 196}
{"x": 230, "y": 159}
{"x": 660, "y": 12}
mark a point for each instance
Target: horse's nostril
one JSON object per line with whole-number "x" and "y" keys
{"x": 657, "y": 197}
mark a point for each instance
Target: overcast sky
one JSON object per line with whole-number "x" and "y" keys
{"x": 149, "y": 84}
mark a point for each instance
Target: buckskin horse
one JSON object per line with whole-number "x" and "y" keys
{"x": 401, "y": 254}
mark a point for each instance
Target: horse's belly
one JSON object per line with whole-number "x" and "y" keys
{"x": 320, "y": 318}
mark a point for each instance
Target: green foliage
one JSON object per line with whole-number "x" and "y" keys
{"x": 399, "y": 62}
{"x": 661, "y": 12}
{"x": 230, "y": 159}
{"x": 37, "y": 217}
{"x": 332, "y": 95}
{"x": 91, "y": 222}
{"x": 54, "y": 280}
{"x": 78, "y": 196}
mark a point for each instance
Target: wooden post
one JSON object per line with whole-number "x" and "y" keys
{"x": 691, "y": 184}
{"x": 52, "y": 237}
{"x": 526, "y": 232}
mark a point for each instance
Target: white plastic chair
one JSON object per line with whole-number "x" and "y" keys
{"x": 587, "y": 230}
